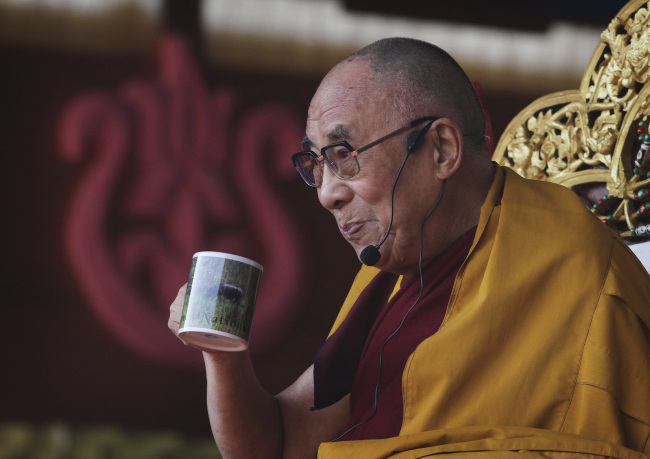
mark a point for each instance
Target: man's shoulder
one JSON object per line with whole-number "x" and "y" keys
{"x": 552, "y": 220}
{"x": 552, "y": 208}
{"x": 541, "y": 195}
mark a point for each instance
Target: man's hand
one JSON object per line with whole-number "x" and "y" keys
{"x": 176, "y": 310}
{"x": 175, "y": 313}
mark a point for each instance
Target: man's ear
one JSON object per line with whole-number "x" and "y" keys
{"x": 447, "y": 140}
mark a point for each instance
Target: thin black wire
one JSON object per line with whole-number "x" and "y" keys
{"x": 381, "y": 352}
{"x": 392, "y": 197}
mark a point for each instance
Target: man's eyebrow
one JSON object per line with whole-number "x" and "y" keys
{"x": 338, "y": 133}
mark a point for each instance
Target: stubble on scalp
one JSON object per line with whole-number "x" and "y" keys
{"x": 414, "y": 78}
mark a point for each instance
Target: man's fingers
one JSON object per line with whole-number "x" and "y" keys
{"x": 176, "y": 309}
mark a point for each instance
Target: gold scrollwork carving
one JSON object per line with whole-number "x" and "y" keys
{"x": 594, "y": 140}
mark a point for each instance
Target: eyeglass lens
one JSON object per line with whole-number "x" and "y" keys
{"x": 339, "y": 158}
{"x": 309, "y": 169}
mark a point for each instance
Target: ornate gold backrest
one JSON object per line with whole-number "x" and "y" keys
{"x": 594, "y": 140}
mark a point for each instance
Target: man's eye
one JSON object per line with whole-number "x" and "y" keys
{"x": 340, "y": 154}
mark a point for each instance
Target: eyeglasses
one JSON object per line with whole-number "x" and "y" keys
{"x": 341, "y": 157}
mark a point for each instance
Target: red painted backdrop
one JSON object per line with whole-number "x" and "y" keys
{"x": 116, "y": 171}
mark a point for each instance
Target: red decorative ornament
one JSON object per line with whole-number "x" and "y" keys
{"x": 196, "y": 179}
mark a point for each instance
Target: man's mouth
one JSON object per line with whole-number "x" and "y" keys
{"x": 351, "y": 229}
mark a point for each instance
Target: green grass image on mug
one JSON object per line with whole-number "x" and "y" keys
{"x": 220, "y": 301}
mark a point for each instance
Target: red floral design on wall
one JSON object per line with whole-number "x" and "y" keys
{"x": 170, "y": 169}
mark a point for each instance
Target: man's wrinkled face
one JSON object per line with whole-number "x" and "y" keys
{"x": 347, "y": 106}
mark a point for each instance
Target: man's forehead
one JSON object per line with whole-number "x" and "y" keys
{"x": 335, "y": 111}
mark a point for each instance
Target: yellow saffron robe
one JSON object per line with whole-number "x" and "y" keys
{"x": 545, "y": 346}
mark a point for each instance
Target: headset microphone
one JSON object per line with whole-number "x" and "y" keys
{"x": 370, "y": 255}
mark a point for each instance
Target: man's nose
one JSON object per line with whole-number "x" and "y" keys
{"x": 334, "y": 192}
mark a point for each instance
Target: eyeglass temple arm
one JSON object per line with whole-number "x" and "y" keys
{"x": 410, "y": 125}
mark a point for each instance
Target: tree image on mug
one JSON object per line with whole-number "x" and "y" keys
{"x": 221, "y": 295}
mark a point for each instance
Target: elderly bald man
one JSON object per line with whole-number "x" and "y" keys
{"x": 499, "y": 314}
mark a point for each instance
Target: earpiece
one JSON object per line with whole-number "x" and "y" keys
{"x": 414, "y": 141}
{"x": 416, "y": 138}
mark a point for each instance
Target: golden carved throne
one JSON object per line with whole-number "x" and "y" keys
{"x": 595, "y": 140}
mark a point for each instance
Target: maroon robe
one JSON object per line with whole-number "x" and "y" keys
{"x": 349, "y": 361}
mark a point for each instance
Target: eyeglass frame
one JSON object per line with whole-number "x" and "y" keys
{"x": 353, "y": 152}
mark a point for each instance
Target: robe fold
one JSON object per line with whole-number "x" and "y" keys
{"x": 544, "y": 347}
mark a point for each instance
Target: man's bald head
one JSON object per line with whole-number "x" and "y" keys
{"x": 419, "y": 79}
